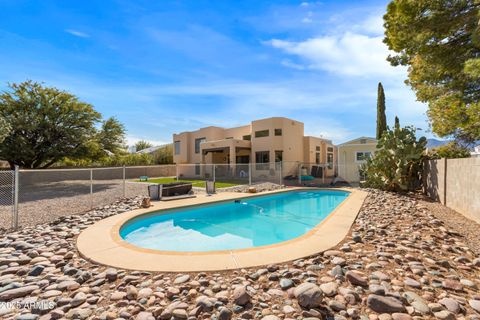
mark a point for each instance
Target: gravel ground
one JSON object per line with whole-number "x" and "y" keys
{"x": 399, "y": 262}
{"x": 469, "y": 229}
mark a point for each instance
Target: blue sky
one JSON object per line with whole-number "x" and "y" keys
{"x": 169, "y": 66}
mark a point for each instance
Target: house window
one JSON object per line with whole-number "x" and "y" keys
{"x": 278, "y": 156}
{"x": 278, "y": 159}
{"x": 248, "y": 137}
{"x": 362, "y": 156}
{"x": 197, "y": 144}
{"x": 197, "y": 169}
{"x": 330, "y": 160}
{"x": 262, "y": 158}
{"x": 278, "y": 132}
{"x": 177, "y": 147}
{"x": 317, "y": 158}
{"x": 330, "y": 149}
{"x": 261, "y": 133}
{"x": 317, "y": 148}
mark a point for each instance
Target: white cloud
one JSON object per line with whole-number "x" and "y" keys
{"x": 350, "y": 54}
{"x": 77, "y": 33}
{"x": 373, "y": 25}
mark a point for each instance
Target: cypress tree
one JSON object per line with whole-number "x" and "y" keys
{"x": 397, "y": 123}
{"x": 381, "y": 118}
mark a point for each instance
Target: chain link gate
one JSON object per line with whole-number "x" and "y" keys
{"x": 7, "y": 200}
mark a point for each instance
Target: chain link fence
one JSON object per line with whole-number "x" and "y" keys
{"x": 7, "y": 198}
{"x": 44, "y": 195}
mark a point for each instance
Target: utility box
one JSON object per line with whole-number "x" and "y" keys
{"x": 154, "y": 191}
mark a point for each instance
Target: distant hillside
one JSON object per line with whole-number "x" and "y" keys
{"x": 433, "y": 143}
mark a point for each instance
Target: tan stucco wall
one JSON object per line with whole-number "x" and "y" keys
{"x": 347, "y": 163}
{"x": 310, "y": 150}
{"x": 295, "y": 147}
{"x": 461, "y": 181}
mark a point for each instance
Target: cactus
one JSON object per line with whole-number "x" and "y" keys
{"x": 398, "y": 162}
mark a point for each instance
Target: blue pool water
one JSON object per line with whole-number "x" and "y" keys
{"x": 250, "y": 222}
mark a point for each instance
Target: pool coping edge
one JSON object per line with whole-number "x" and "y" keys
{"x": 102, "y": 244}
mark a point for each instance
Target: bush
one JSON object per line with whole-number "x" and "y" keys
{"x": 130, "y": 159}
{"x": 451, "y": 150}
{"x": 398, "y": 163}
{"x": 164, "y": 155}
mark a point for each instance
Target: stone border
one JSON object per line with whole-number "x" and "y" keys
{"x": 101, "y": 242}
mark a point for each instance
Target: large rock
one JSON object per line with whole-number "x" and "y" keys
{"x": 475, "y": 304}
{"x": 225, "y": 314}
{"x": 356, "y": 279}
{"x": 17, "y": 292}
{"x": 382, "y": 304}
{"x": 308, "y": 295}
{"x": 241, "y": 296}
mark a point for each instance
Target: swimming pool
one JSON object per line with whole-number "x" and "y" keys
{"x": 245, "y": 223}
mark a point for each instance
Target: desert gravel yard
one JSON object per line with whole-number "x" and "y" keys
{"x": 400, "y": 261}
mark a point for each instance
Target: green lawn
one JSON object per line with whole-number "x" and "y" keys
{"x": 195, "y": 183}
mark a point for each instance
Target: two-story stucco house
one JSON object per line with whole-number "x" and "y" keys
{"x": 262, "y": 142}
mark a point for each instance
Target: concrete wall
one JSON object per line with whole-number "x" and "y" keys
{"x": 455, "y": 183}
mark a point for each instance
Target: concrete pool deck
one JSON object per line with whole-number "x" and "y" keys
{"x": 101, "y": 242}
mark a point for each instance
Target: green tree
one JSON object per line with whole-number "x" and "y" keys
{"x": 397, "y": 122}
{"x": 111, "y": 136}
{"x": 142, "y": 144}
{"x": 381, "y": 117}
{"x": 48, "y": 125}
{"x": 398, "y": 163}
{"x": 164, "y": 155}
{"x": 4, "y": 129}
{"x": 450, "y": 150}
{"x": 439, "y": 41}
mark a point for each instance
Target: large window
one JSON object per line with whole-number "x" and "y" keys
{"x": 330, "y": 160}
{"x": 278, "y": 132}
{"x": 317, "y": 148}
{"x": 278, "y": 159}
{"x": 247, "y": 137}
{"x": 262, "y": 159}
{"x": 177, "y": 147}
{"x": 261, "y": 133}
{"x": 197, "y": 144}
{"x": 317, "y": 158}
{"x": 361, "y": 156}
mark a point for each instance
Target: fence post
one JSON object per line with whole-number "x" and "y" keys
{"x": 281, "y": 172}
{"x": 323, "y": 173}
{"x": 445, "y": 182}
{"x": 300, "y": 173}
{"x": 15, "y": 199}
{"x": 249, "y": 173}
{"x": 91, "y": 188}
{"x": 124, "y": 182}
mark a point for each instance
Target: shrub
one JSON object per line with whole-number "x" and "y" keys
{"x": 451, "y": 150}
{"x": 398, "y": 163}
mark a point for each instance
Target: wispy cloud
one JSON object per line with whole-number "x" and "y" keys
{"x": 77, "y": 33}
{"x": 348, "y": 54}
